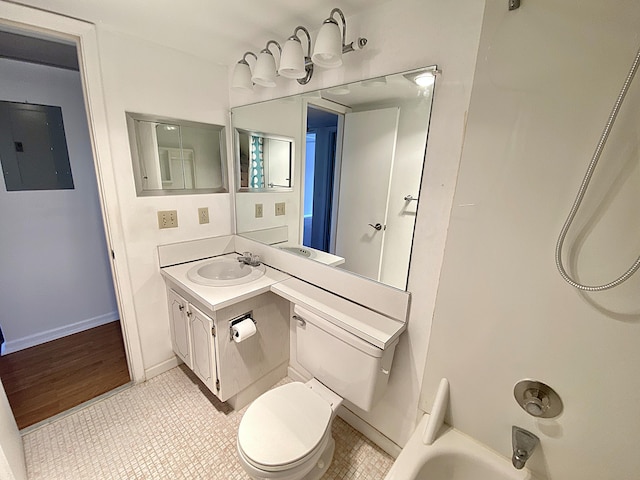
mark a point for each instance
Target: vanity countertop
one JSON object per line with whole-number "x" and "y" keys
{"x": 218, "y": 297}
{"x": 316, "y": 255}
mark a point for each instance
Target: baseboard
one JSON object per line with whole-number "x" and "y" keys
{"x": 384, "y": 442}
{"x": 162, "y": 367}
{"x": 12, "y": 346}
{"x": 295, "y": 375}
{"x": 253, "y": 391}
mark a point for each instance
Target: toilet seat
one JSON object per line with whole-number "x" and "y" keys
{"x": 284, "y": 427}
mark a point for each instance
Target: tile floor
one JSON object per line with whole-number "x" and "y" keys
{"x": 170, "y": 427}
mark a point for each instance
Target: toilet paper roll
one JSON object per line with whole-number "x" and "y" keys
{"x": 243, "y": 330}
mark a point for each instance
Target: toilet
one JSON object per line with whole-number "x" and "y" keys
{"x": 285, "y": 433}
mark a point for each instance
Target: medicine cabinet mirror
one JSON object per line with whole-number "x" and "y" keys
{"x": 356, "y": 168}
{"x": 173, "y": 156}
{"x": 264, "y": 162}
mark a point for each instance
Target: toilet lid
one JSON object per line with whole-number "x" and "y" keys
{"x": 283, "y": 425}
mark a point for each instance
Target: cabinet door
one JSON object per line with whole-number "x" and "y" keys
{"x": 203, "y": 348}
{"x": 179, "y": 323}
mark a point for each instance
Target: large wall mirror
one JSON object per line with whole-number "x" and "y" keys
{"x": 173, "y": 156}
{"x": 357, "y": 160}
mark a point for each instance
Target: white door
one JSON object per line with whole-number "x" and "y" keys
{"x": 12, "y": 463}
{"x": 368, "y": 150}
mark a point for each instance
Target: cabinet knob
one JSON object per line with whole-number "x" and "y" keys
{"x": 301, "y": 321}
{"x": 181, "y": 307}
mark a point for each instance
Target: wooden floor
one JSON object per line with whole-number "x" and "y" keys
{"x": 48, "y": 379}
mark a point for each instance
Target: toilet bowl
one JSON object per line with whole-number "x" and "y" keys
{"x": 285, "y": 434}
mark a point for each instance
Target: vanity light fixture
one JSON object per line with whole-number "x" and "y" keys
{"x": 264, "y": 73}
{"x": 294, "y": 64}
{"x": 330, "y": 44}
{"x": 241, "y": 80}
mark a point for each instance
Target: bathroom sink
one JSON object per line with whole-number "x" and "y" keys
{"x": 303, "y": 252}
{"x": 224, "y": 271}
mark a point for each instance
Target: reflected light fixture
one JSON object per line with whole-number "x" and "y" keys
{"x": 264, "y": 73}
{"x": 423, "y": 78}
{"x": 241, "y": 79}
{"x": 293, "y": 63}
{"x": 330, "y": 44}
{"x": 374, "y": 82}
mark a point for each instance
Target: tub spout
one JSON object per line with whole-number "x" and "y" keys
{"x": 524, "y": 443}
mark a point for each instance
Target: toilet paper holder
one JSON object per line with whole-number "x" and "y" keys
{"x": 239, "y": 319}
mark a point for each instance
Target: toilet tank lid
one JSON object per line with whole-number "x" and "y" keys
{"x": 284, "y": 425}
{"x": 339, "y": 332}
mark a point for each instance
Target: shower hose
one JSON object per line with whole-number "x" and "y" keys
{"x": 583, "y": 188}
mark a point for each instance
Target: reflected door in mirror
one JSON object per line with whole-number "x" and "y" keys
{"x": 367, "y": 158}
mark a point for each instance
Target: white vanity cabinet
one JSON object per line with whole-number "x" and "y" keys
{"x": 193, "y": 338}
{"x": 203, "y": 348}
{"x": 201, "y": 337}
{"x": 179, "y": 324}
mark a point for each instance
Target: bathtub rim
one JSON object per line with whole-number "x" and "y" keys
{"x": 416, "y": 454}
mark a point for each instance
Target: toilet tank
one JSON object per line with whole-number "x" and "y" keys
{"x": 353, "y": 368}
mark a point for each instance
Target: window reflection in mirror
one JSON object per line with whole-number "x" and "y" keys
{"x": 176, "y": 156}
{"x": 264, "y": 161}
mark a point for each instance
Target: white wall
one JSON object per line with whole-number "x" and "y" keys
{"x": 546, "y": 80}
{"x": 407, "y": 34}
{"x": 12, "y": 462}
{"x": 55, "y": 275}
{"x": 146, "y": 78}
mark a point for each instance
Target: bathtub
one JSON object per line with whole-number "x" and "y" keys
{"x": 452, "y": 456}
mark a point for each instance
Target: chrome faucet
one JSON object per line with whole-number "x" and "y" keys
{"x": 250, "y": 259}
{"x": 524, "y": 443}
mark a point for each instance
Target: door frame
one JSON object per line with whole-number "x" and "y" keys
{"x": 84, "y": 35}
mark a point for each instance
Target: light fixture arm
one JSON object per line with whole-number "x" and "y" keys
{"x": 359, "y": 43}
{"x": 308, "y": 64}
{"x": 272, "y": 42}
{"x": 344, "y": 24}
{"x": 244, "y": 57}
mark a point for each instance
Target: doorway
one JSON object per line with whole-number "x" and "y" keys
{"x": 64, "y": 321}
{"x": 319, "y": 181}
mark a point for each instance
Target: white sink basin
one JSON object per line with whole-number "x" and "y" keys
{"x": 224, "y": 271}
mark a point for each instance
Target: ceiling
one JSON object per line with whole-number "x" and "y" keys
{"x": 217, "y": 30}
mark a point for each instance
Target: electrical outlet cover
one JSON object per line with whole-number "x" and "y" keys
{"x": 258, "y": 210}
{"x": 167, "y": 218}
{"x": 280, "y": 209}
{"x": 203, "y": 215}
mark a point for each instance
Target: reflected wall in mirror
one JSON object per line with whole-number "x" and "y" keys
{"x": 263, "y": 161}
{"x": 358, "y": 172}
{"x": 176, "y": 156}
